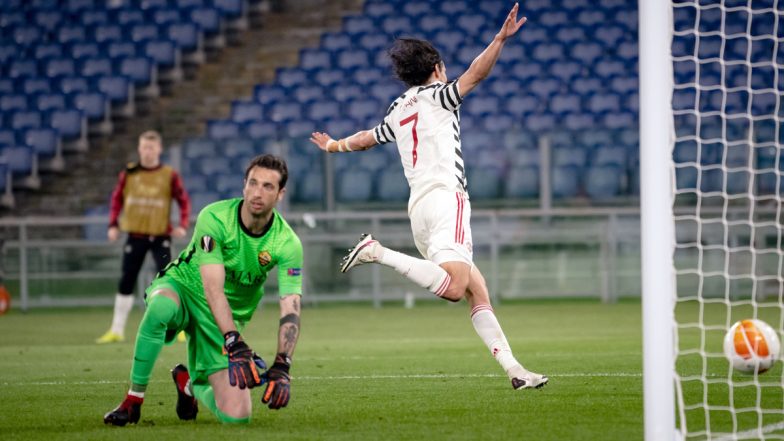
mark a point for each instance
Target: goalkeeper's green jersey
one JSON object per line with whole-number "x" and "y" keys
{"x": 220, "y": 237}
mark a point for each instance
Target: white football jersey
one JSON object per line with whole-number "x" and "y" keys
{"x": 425, "y": 123}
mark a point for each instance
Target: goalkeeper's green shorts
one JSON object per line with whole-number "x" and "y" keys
{"x": 205, "y": 340}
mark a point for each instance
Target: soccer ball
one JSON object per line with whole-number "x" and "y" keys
{"x": 5, "y": 300}
{"x": 751, "y": 346}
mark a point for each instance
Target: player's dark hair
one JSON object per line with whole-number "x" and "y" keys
{"x": 271, "y": 162}
{"x": 413, "y": 60}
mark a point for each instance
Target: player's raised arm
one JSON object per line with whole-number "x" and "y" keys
{"x": 482, "y": 65}
{"x": 359, "y": 141}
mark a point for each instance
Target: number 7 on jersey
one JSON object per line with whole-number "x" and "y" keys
{"x": 413, "y": 118}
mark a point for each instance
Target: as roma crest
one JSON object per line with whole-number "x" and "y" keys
{"x": 264, "y": 258}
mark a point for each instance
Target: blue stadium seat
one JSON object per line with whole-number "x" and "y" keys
{"x": 7, "y": 137}
{"x": 544, "y": 87}
{"x": 466, "y": 54}
{"x": 374, "y": 42}
{"x": 142, "y": 71}
{"x": 609, "y": 156}
{"x": 358, "y": 25}
{"x": 521, "y": 105}
{"x": 549, "y": 52}
{"x": 96, "y": 66}
{"x": 23, "y": 68}
{"x": 323, "y": 110}
{"x": 188, "y": 38}
{"x": 227, "y": 185}
{"x": 391, "y": 184}
{"x": 207, "y": 18}
{"x": 84, "y": 49}
{"x": 363, "y": 109}
{"x": 200, "y": 199}
{"x": 13, "y": 103}
{"x": 354, "y": 185}
{"x": 328, "y": 78}
{"x": 94, "y": 17}
{"x": 285, "y": 111}
{"x": 119, "y": 90}
{"x": 242, "y": 147}
{"x": 348, "y": 91}
{"x": 43, "y": 51}
{"x": 267, "y": 94}
{"x": 308, "y": 93}
{"x": 127, "y": 17}
{"x": 431, "y": 24}
{"x": 569, "y": 156}
{"x": 291, "y": 77}
{"x": 119, "y": 50}
{"x": 604, "y": 102}
{"x": 416, "y": 9}
{"x": 377, "y": 10}
{"x": 484, "y": 183}
{"x": 397, "y": 24}
{"x": 106, "y": 33}
{"x": 23, "y": 165}
{"x": 522, "y": 182}
{"x": 566, "y": 70}
{"x": 25, "y": 119}
{"x": 260, "y": 129}
{"x": 244, "y": 111}
{"x": 194, "y": 148}
{"x": 71, "y": 34}
{"x": 310, "y": 188}
{"x": 310, "y": 59}
{"x": 340, "y": 127}
{"x": 604, "y": 182}
{"x": 142, "y": 32}
{"x": 32, "y": 86}
{"x": 70, "y": 123}
{"x": 46, "y": 102}
{"x": 59, "y": 67}
{"x": 220, "y": 129}
{"x": 572, "y": 34}
{"x": 448, "y": 40}
{"x": 97, "y": 109}
{"x": 335, "y": 42}
{"x": 8, "y": 52}
{"x": 586, "y": 52}
{"x": 26, "y": 35}
{"x": 539, "y": 122}
{"x": 566, "y": 181}
{"x": 164, "y": 16}
{"x": 163, "y": 51}
{"x": 215, "y": 165}
{"x": 565, "y": 103}
{"x": 44, "y": 141}
{"x": 353, "y": 58}
{"x": 298, "y": 128}
{"x": 586, "y": 86}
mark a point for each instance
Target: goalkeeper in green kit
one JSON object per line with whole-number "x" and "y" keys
{"x": 211, "y": 291}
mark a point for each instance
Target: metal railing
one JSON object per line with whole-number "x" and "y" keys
{"x": 522, "y": 253}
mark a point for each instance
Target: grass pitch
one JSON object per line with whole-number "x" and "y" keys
{"x": 358, "y": 374}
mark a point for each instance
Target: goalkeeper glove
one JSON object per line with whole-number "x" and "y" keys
{"x": 278, "y": 386}
{"x": 243, "y": 369}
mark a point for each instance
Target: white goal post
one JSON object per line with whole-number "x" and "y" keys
{"x": 656, "y": 218}
{"x": 711, "y": 135}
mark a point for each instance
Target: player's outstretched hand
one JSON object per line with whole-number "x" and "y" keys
{"x": 243, "y": 368}
{"x": 279, "y": 383}
{"x": 320, "y": 139}
{"x": 511, "y": 24}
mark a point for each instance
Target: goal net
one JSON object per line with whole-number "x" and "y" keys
{"x": 728, "y": 80}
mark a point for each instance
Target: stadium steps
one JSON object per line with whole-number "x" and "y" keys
{"x": 228, "y": 75}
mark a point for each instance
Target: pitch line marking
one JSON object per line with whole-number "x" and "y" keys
{"x": 344, "y": 377}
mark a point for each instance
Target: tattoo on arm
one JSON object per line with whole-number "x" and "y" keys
{"x": 289, "y": 332}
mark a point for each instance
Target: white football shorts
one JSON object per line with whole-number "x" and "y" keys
{"x": 441, "y": 223}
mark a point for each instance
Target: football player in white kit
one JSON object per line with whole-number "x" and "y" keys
{"x": 425, "y": 123}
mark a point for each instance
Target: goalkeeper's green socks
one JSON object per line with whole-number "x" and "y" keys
{"x": 206, "y": 395}
{"x": 161, "y": 312}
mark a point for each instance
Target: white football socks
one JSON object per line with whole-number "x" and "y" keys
{"x": 122, "y": 307}
{"x": 489, "y": 330}
{"x": 423, "y": 272}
